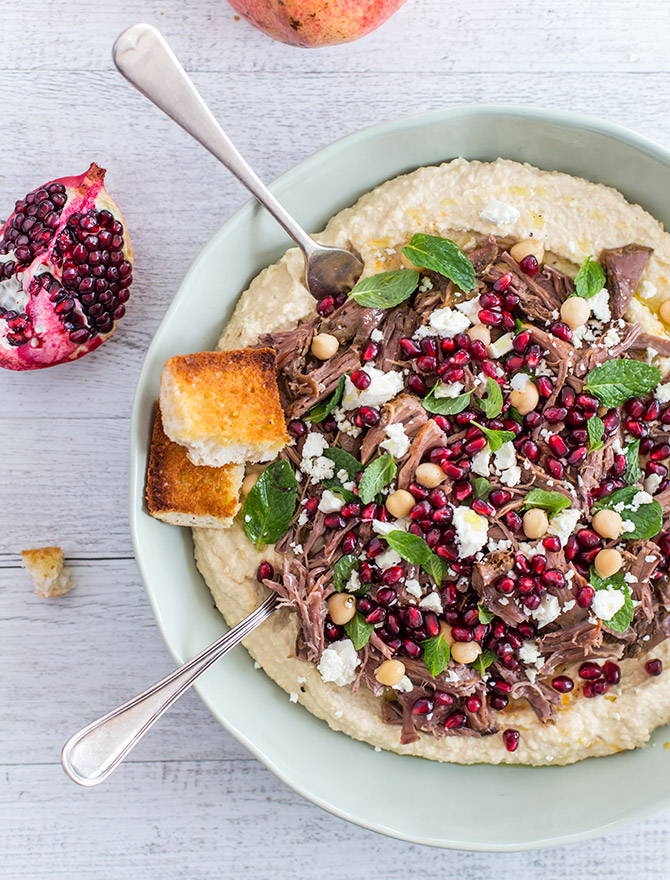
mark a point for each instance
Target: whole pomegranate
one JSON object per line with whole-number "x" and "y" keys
{"x": 66, "y": 266}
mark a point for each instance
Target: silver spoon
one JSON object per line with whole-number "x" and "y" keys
{"x": 144, "y": 57}
{"x": 96, "y": 750}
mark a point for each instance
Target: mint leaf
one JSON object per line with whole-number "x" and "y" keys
{"x": 485, "y": 616}
{"x": 436, "y": 654}
{"x": 342, "y": 571}
{"x": 596, "y": 429}
{"x": 495, "y": 438}
{"x": 270, "y": 505}
{"x": 647, "y": 518}
{"x": 590, "y": 279}
{"x": 376, "y": 476}
{"x": 482, "y": 663}
{"x": 492, "y": 404}
{"x": 519, "y": 326}
{"x": 618, "y": 380}
{"x": 445, "y": 406}
{"x": 415, "y": 550}
{"x": 552, "y": 502}
{"x": 624, "y": 616}
{"x": 633, "y": 473}
{"x": 443, "y": 256}
{"x": 358, "y": 630}
{"x": 482, "y": 487}
{"x": 325, "y": 407}
{"x": 387, "y": 289}
{"x": 343, "y": 461}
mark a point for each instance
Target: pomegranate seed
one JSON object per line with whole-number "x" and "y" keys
{"x": 375, "y": 547}
{"x": 532, "y": 420}
{"x": 422, "y": 706}
{"x": 420, "y": 510}
{"x": 538, "y": 564}
{"x": 561, "y": 331}
{"x": 442, "y": 699}
{"x": 530, "y": 449}
{"x": 429, "y": 346}
{"x": 557, "y": 444}
{"x": 490, "y": 301}
{"x": 462, "y": 491}
{"x": 589, "y": 671}
{"x": 611, "y": 421}
{"x": 612, "y": 672}
{"x": 555, "y": 413}
{"x": 574, "y": 418}
{"x": 655, "y": 467}
{"x": 460, "y": 359}
{"x": 500, "y": 686}
{"x": 377, "y": 615}
{"x": 589, "y": 690}
{"x": 544, "y": 386}
{"x": 526, "y": 629}
{"x": 426, "y": 364}
{"x": 513, "y": 363}
{"x": 600, "y": 687}
{"x": 409, "y": 348}
{"x": 265, "y": 572}
{"x": 297, "y": 427}
{"x": 634, "y": 407}
{"x": 432, "y": 624}
{"x": 533, "y": 356}
{"x": 448, "y": 345}
{"x": 529, "y": 265}
{"x": 563, "y": 684}
{"x": 326, "y": 306}
{"x": 365, "y": 572}
{"x": 473, "y": 704}
{"x": 438, "y": 498}
{"x": 416, "y": 385}
{"x": 511, "y": 300}
{"x": 483, "y": 507}
{"x": 370, "y": 351}
{"x": 659, "y": 452}
{"x": 637, "y": 429}
{"x": 369, "y": 415}
{"x": 443, "y": 515}
{"x": 411, "y": 647}
{"x": 532, "y": 601}
{"x": 556, "y": 468}
{"x": 455, "y": 720}
{"x": 498, "y": 701}
{"x": 525, "y": 585}
{"x": 478, "y": 350}
{"x": 512, "y": 520}
{"x": 472, "y": 447}
{"x": 521, "y": 563}
{"x": 360, "y": 379}
{"x": 500, "y": 497}
{"x": 578, "y": 455}
{"x": 508, "y": 322}
{"x": 521, "y": 341}
{"x": 332, "y": 632}
{"x": 369, "y": 511}
{"x": 653, "y": 667}
{"x": 511, "y": 736}
{"x": 588, "y": 538}
{"x": 442, "y": 422}
{"x": 588, "y": 402}
{"x": 334, "y": 521}
{"x": 551, "y": 543}
{"x": 351, "y": 510}
{"x": 503, "y": 282}
{"x": 489, "y": 370}
{"x": 491, "y": 317}
{"x": 471, "y": 616}
{"x": 462, "y": 634}
{"x": 463, "y": 341}
{"x": 349, "y": 543}
{"x": 414, "y": 617}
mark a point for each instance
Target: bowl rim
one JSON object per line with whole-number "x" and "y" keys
{"x": 561, "y": 118}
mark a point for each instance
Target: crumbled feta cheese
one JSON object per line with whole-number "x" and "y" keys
{"x": 343, "y": 423}
{"x": 382, "y": 388}
{"x": 385, "y": 528}
{"x": 563, "y": 524}
{"x": 338, "y": 714}
{"x": 303, "y": 518}
{"x": 397, "y": 443}
{"x": 529, "y": 653}
{"x": 317, "y": 466}
{"x": 257, "y": 665}
{"x": 606, "y": 603}
{"x": 404, "y": 685}
{"x": 480, "y": 462}
{"x": 471, "y": 531}
{"x": 426, "y": 284}
{"x": 499, "y": 213}
{"x": 338, "y": 662}
{"x": 376, "y": 335}
{"x": 640, "y": 499}
{"x": 451, "y": 389}
{"x": 314, "y": 445}
{"x": 519, "y": 381}
{"x": 432, "y": 602}
{"x": 297, "y": 548}
{"x": 627, "y": 525}
{"x": 548, "y": 610}
{"x": 413, "y": 587}
{"x": 502, "y": 345}
{"x": 646, "y": 289}
{"x": 511, "y": 476}
{"x": 662, "y": 393}
{"x": 630, "y": 578}
{"x": 388, "y": 558}
{"x": 502, "y": 544}
{"x": 293, "y": 697}
{"x": 505, "y": 457}
{"x": 354, "y": 583}
{"x": 652, "y": 483}
{"x": 611, "y": 338}
{"x": 448, "y": 322}
{"x": 600, "y": 306}
{"x": 330, "y": 502}
{"x": 470, "y": 308}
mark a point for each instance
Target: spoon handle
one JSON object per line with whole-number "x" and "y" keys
{"x": 144, "y": 57}
{"x": 96, "y": 750}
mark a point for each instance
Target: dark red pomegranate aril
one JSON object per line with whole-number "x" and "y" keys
{"x": 349, "y": 543}
{"x": 503, "y": 283}
{"x": 634, "y": 407}
{"x": 521, "y": 341}
{"x": 377, "y": 615}
{"x": 455, "y": 720}
{"x": 297, "y": 427}
{"x": 525, "y": 585}
{"x": 429, "y": 346}
{"x": 438, "y": 498}
{"x": 637, "y": 429}
{"x": 556, "y": 468}
{"x": 555, "y": 413}
{"x": 334, "y": 521}
{"x": 588, "y": 538}
{"x": 478, "y": 350}
{"x": 369, "y": 415}
{"x": 265, "y": 572}
{"x": 483, "y": 508}
{"x": 462, "y": 634}
{"x": 422, "y": 706}
{"x": 498, "y": 701}
{"x": 369, "y": 352}
{"x": 411, "y": 648}
{"x": 544, "y": 385}
{"x": 554, "y": 578}
{"x": 326, "y": 306}
{"x": 655, "y": 467}
{"x": 512, "y": 520}
{"x": 529, "y": 265}
{"x": 332, "y": 632}
{"x": 426, "y": 364}
{"x": 589, "y": 671}
{"x": 653, "y": 667}
{"x": 490, "y": 300}
{"x": 414, "y": 617}
{"x": 410, "y": 348}
{"x": 360, "y": 379}
{"x": 351, "y": 510}
{"x": 532, "y": 601}
{"x": 578, "y": 455}
{"x": 462, "y": 491}
{"x": 511, "y": 739}
{"x": 473, "y": 704}
{"x": 659, "y": 452}
{"x": 500, "y": 497}
{"x": 612, "y": 672}
{"x": 563, "y": 684}
{"x": 491, "y": 317}
{"x": 561, "y": 331}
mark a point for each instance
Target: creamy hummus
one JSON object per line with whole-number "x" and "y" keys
{"x": 463, "y": 201}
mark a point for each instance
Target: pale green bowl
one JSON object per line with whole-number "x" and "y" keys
{"x": 474, "y": 808}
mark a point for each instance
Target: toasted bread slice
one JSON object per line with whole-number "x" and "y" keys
{"x": 45, "y": 567}
{"x": 223, "y": 406}
{"x": 180, "y": 493}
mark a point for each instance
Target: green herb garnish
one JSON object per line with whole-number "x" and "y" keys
{"x": 358, "y": 630}
{"x": 386, "y": 290}
{"x": 443, "y": 256}
{"x": 596, "y": 429}
{"x": 482, "y": 663}
{"x": 414, "y": 549}
{"x": 494, "y": 437}
{"x": 436, "y": 655}
{"x": 552, "y": 502}
{"x": 647, "y": 518}
{"x": 615, "y": 381}
{"x": 622, "y": 619}
{"x": 445, "y": 406}
{"x": 270, "y": 505}
{"x": 492, "y": 404}
{"x": 324, "y": 407}
{"x": 633, "y": 473}
{"x": 376, "y": 476}
{"x": 485, "y": 616}
{"x": 590, "y": 279}
{"x": 481, "y": 487}
{"x": 343, "y": 461}
{"x": 342, "y": 571}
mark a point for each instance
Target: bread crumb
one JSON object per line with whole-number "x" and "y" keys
{"x": 45, "y": 567}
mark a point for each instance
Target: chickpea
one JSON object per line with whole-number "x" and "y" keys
{"x": 664, "y": 311}
{"x": 390, "y": 672}
{"x": 429, "y": 475}
{"x": 248, "y": 483}
{"x": 341, "y": 607}
{"x": 465, "y": 652}
{"x": 607, "y": 563}
{"x": 575, "y": 311}
{"x": 608, "y": 523}
{"x": 324, "y": 346}
{"x": 445, "y": 632}
{"x": 535, "y": 523}
{"x": 407, "y": 263}
{"x": 480, "y": 332}
{"x": 525, "y": 399}
{"x": 526, "y": 247}
{"x": 400, "y": 502}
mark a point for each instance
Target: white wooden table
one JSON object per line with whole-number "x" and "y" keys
{"x": 191, "y": 802}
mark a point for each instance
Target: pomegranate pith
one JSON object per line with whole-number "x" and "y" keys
{"x": 66, "y": 266}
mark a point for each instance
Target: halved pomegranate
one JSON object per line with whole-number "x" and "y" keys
{"x": 66, "y": 266}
